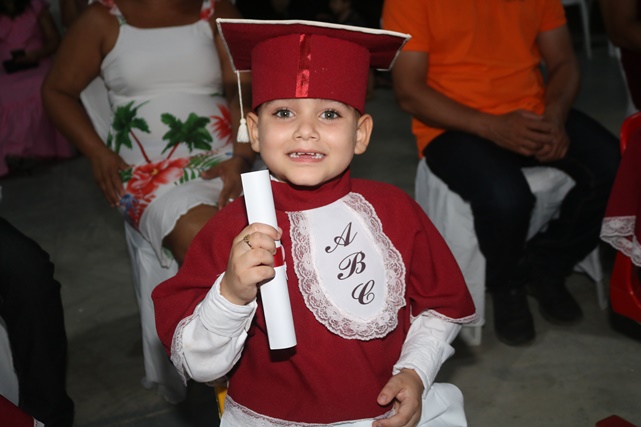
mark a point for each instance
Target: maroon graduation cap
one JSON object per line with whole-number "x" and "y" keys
{"x": 306, "y": 59}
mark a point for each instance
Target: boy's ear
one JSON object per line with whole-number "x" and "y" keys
{"x": 363, "y": 133}
{"x": 252, "y": 126}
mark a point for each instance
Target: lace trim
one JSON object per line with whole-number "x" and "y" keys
{"x": 618, "y": 231}
{"x": 328, "y": 314}
{"x": 236, "y": 415}
{"x": 468, "y": 319}
{"x": 618, "y": 226}
{"x": 177, "y": 357}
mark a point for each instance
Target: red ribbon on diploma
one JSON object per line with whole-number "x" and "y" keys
{"x": 279, "y": 257}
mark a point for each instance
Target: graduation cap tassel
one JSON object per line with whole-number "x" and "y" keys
{"x": 243, "y": 133}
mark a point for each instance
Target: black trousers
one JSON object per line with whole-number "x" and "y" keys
{"x": 490, "y": 179}
{"x": 31, "y": 307}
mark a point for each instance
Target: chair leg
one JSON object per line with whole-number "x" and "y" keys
{"x": 221, "y": 393}
{"x": 8, "y": 377}
{"x": 625, "y": 288}
{"x": 591, "y": 266}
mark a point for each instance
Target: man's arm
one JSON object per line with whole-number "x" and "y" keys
{"x": 429, "y": 106}
{"x": 520, "y": 131}
{"x": 561, "y": 88}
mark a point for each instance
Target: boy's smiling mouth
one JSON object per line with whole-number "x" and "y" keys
{"x": 303, "y": 154}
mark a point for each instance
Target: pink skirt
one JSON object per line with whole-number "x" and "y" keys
{"x": 25, "y": 128}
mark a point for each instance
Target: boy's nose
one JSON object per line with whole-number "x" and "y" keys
{"x": 306, "y": 130}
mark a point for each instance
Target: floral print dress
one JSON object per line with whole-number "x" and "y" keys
{"x": 170, "y": 120}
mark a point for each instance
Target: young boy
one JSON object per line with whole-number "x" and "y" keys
{"x": 376, "y": 295}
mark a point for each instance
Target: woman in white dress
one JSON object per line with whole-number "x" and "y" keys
{"x": 170, "y": 160}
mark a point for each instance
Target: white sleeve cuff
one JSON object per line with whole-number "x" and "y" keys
{"x": 222, "y": 317}
{"x": 208, "y": 343}
{"x": 426, "y": 347}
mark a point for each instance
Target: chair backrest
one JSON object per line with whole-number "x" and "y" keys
{"x": 630, "y": 130}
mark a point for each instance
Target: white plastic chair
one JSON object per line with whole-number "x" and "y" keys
{"x": 453, "y": 217}
{"x": 584, "y": 6}
{"x": 147, "y": 274}
{"x": 8, "y": 377}
{"x": 146, "y": 270}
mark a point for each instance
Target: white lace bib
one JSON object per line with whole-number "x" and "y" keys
{"x": 350, "y": 274}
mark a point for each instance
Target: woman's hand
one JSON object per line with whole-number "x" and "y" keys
{"x": 229, "y": 171}
{"x": 106, "y": 165}
{"x": 251, "y": 262}
{"x": 406, "y": 390}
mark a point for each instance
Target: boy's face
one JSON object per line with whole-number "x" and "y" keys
{"x": 308, "y": 141}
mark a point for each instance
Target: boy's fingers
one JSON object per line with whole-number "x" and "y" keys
{"x": 260, "y": 274}
{"x": 258, "y": 227}
{"x": 258, "y": 240}
{"x": 388, "y": 392}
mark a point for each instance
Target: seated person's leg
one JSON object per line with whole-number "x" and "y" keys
{"x": 491, "y": 180}
{"x": 592, "y": 160}
{"x": 186, "y": 228}
{"x": 31, "y": 307}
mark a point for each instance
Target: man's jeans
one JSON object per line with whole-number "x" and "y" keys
{"x": 490, "y": 179}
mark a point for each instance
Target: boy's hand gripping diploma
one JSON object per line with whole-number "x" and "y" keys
{"x": 259, "y": 203}
{"x": 251, "y": 262}
{"x": 406, "y": 390}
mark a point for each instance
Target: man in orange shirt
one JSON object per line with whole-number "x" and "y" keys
{"x": 470, "y": 76}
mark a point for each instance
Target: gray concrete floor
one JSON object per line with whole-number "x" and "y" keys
{"x": 572, "y": 376}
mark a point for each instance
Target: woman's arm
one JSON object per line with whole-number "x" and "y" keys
{"x": 244, "y": 156}
{"x": 75, "y": 66}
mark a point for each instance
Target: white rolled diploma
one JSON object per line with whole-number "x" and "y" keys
{"x": 259, "y": 203}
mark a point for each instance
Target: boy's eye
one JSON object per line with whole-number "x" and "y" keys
{"x": 283, "y": 113}
{"x": 330, "y": 114}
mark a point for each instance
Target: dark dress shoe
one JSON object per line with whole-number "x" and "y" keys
{"x": 556, "y": 304}
{"x": 513, "y": 321}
